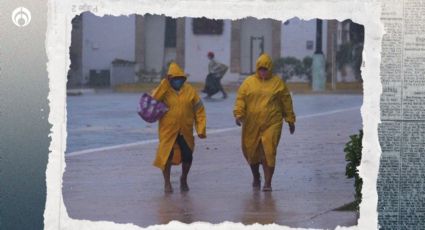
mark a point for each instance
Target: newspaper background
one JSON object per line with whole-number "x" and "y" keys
{"x": 401, "y": 199}
{"x": 400, "y": 182}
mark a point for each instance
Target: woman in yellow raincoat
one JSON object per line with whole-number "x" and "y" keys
{"x": 176, "y": 141}
{"x": 262, "y": 103}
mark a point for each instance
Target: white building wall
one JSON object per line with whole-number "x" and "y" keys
{"x": 295, "y": 36}
{"x": 154, "y": 42}
{"x": 197, "y": 47}
{"x": 256, "y": 28}
{"x": 105, "y": 39}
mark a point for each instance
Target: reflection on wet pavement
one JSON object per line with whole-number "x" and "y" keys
{"x": 175, "y": 208}
{"x": 256, "y": 207}
{"x": 259, "y": 208}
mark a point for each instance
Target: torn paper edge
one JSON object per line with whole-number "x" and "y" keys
{"x": 58, "y": 41}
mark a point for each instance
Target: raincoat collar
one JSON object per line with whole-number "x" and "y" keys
{"x": 264, "y": 61}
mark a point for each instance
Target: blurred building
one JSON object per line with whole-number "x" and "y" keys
{"x": 113, "y": 50}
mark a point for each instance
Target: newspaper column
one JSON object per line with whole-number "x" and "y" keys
{"x": 401, "y": 203}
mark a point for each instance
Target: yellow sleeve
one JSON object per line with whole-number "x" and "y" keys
{"x": 159, "y": 92}
{"x": 200, "y": 115}
{"x": 240, "y": 104}
{"x": 288, "y": 111}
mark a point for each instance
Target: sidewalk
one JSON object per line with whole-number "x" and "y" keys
{"x": 121, "y": 185}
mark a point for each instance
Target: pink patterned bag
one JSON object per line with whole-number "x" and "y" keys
{"x": 150, "y": 109}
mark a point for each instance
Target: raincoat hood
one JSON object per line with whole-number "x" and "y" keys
{"x": 264, "y": 61}
{"x": 174, "y": 70}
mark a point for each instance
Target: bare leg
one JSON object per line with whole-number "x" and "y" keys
{"x": 166, "y": 173}
{"x": 255, "y": 169}
{"x": 183, "y": 179}
{"x": 268, "y": 175}
{"x": 224, "y": 94}
{"x": 268, "y": 171}
{"x": 222, "y": 89}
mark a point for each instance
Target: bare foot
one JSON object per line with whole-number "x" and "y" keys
{"x": 267, "y": 188}
{"x": 168, "y": 188}
{"x": 184, "y": 187}
{"x": 256, "y": 183}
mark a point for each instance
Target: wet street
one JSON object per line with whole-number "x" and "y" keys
{"x": 118, "y": 183}
{"x": 108, "y": 119}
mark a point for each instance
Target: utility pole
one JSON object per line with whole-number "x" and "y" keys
{"x": 319, "y": 76}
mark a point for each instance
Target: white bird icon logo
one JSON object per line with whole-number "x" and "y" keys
{"x": 21, "y": 17}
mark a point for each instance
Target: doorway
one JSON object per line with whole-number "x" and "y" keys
{"x": 256, "y": 49}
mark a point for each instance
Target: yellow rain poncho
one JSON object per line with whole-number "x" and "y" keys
{"x": 185, "y": 111}
{"x": 262, "y": 105}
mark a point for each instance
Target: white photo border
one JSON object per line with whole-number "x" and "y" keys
{"x": 58, "y": 39}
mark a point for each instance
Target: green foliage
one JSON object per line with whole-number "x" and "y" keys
{"x": 344, "y": 55}
{"x": 353, "y": 155}
{"x": 291, "y": 66}
{"x": 350, "y": 54}
{"x": 307, "y": 64}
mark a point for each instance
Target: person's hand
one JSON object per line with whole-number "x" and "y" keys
{"x": 202, "y": 136}
{"x": 291, "y": 128}
{"x": 238, "y": 121}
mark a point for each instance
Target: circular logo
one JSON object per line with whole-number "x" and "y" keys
{"x": 21, "y": 16}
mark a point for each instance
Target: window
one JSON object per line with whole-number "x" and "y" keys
{"x": 309, "y": 45}
{"x": 205, "y": 26}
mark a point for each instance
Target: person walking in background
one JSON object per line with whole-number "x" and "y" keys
{"x": 262, "y": 103}
{"x": 216, "y": 72}
{"x": 176, "y": 141}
